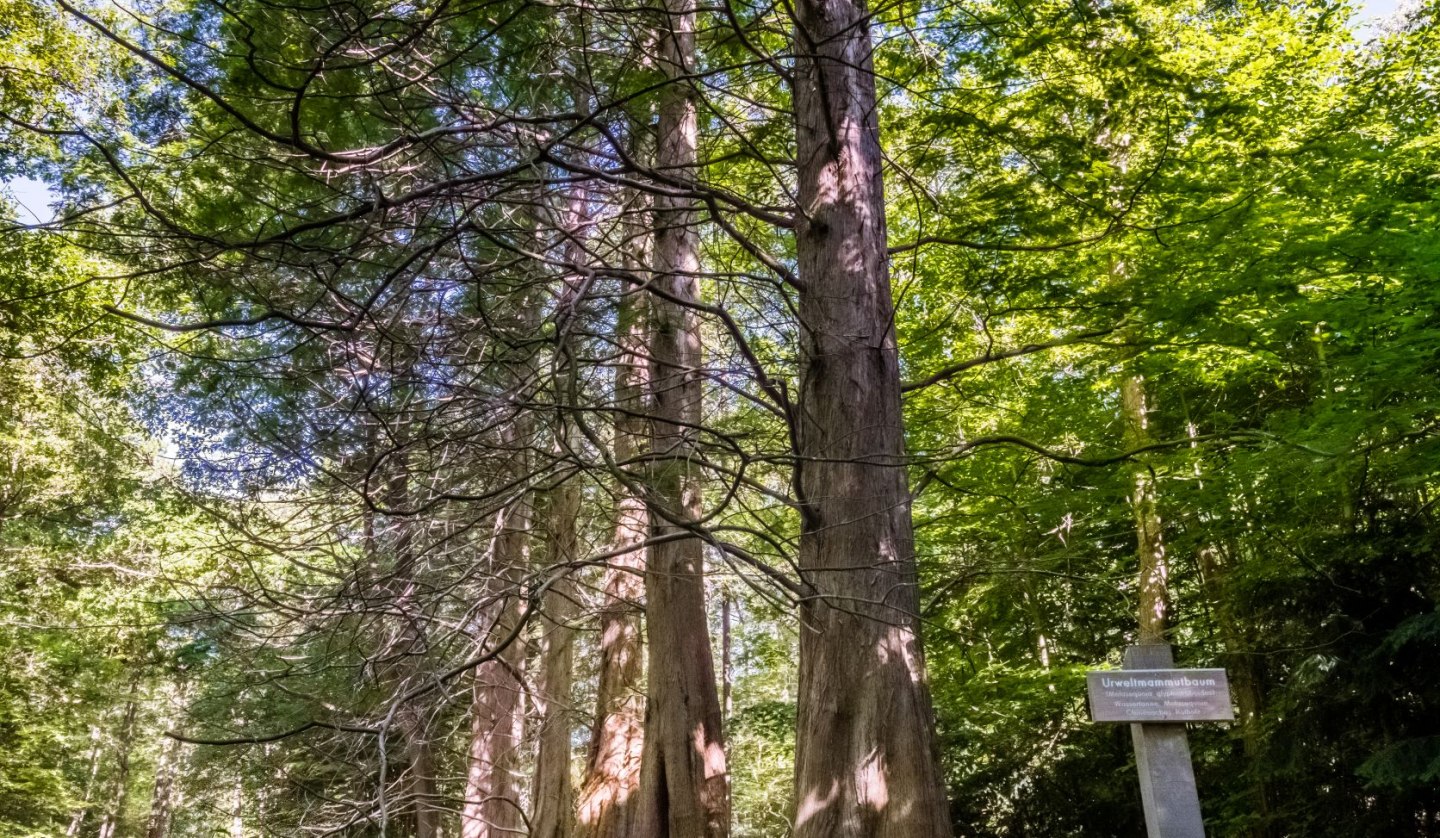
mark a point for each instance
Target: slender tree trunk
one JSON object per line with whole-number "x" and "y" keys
{"x": 492, "y": 807}
{"x": 237, "y": 810}
{"x": 402, "y": 656}
{"x": 554, "y": 797}
{"x": 1150, "y": 542}
{"x": 77, "y": 819}
{"x": 725, "y": 676}
{"x": 412, "y": 719}
{"x": 422, "y": 777}
{"x": 159, "y": 824}
{"x": 163, "y": 798}
{"x": 683, "y": 786}
{"x": 112, "y": 826}
{"x": 866, "y": 751}
{"x": 612, "y": 772}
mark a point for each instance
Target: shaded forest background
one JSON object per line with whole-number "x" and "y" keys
{"x": 338, "y": 421}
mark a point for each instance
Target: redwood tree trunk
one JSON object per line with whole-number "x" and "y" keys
{"x": 612, "y": 771}
{"x": 866, "y": 752}
{"x": 683, "y": 786}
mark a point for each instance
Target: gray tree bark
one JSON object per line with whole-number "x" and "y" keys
{"x": 402, "y": 656}
{"x": 866, "y": 762}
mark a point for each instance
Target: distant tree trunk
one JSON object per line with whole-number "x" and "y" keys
{"x": 159, "y": 823}
{"x": 422, "y": 777}
{"x": 237, "y": 810}
{"x": 725, "y": 653}
{"x": 1150, "y": 541}
{"x": 554, "y": 797}
{"x": 492, "y": 807}
{"x": 866, "y": 762}
{"x": 402, "y": 655}
{"x": 162, "y": 799}
{"x": 683, "y": 787}
{"x": 77, "y": 819}
{"x": 113, "y": 824}
{"x": 612, "y": 771}
{"x": 412, "y": 717}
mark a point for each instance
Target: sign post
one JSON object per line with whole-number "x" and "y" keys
{"x": 1157, "y": 700}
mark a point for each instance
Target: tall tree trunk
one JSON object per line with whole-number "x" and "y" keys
{"x": 411, "y": 647}
{"x": 612, "y": 771}
{"x": 684, "y": 791}
{"x": 237, "y": 809}
{"x": 554, "y": 797}
{"x": 159, "y": 824}
{"x": 492, "y": 807}
{"x": 402, "y": 656}
{"x": 162, "y": 799}
{"x": 1150, "y": 542}
{"x": 725, "y": 670}
{"x": 866, "y": 751}
{"x": 77, "y": 819}
{"x": 112, "y": 825}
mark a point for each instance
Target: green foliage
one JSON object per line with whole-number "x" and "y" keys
{"x": 1235, "y": 202}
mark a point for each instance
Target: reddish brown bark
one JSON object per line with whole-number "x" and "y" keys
{"x": 612, "y": 772}
{"x": 683, "y": 786}
{"x": 866, "y": 752}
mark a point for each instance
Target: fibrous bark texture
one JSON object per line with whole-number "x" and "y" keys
{"x": 683, "y": 785}
{"x": 866, "y": 753}
{"x": 612, "y": 772}
{"x": 553, "y": 794}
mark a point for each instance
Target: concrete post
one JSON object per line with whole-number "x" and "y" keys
{"x": 1162, "y": 754}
